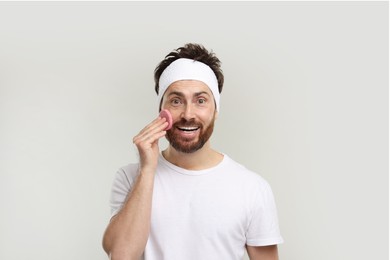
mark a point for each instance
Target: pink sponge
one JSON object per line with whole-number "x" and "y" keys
{"x": 165, "y": 113}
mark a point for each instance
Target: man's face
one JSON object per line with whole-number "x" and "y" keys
{"x": 192, "y": 106}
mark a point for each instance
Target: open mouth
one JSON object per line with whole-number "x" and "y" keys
{"x": 188, "y": 128}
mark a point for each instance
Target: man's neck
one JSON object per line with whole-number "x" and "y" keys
{"x": 202, "y": 159}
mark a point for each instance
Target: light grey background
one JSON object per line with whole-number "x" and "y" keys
{"x": 305, "y": 105}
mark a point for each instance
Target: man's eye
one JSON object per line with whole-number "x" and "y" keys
{"x": 201, "y": 100}
{"x": 175, "y": 101}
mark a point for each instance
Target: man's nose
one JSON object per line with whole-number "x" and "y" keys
{"x": 188, "y": 112}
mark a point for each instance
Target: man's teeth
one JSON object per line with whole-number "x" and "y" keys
{"x": 188, "y": 128}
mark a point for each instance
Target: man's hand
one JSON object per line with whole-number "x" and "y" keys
{"x": 147, "y": 143}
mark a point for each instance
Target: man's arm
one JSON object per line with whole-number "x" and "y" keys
{"x": 127, "y": 233}
{"x": 263, "y": 252}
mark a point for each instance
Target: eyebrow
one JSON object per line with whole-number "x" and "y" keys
{"x": 180, "y": 94}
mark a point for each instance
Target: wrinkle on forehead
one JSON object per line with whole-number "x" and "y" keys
{"x": 188, "y": 87}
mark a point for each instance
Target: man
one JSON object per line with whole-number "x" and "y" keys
{"x": 189, "y": 201}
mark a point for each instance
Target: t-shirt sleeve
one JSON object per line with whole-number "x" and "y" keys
{"x": 263, "y": 228}
{"x": 121, "y": 186}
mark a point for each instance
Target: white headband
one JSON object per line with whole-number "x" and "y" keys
{"x": 182, "y": 69}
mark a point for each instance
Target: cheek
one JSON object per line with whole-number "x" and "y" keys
{"x": 175, "y": 115}
{"x": 208, "y": 118}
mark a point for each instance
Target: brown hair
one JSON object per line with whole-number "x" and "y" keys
{"x": 195, "y": 52}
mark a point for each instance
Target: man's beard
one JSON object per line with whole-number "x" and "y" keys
{"x": 181, "y": 144}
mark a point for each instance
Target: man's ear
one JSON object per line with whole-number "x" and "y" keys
{"x": 216, "y": 114}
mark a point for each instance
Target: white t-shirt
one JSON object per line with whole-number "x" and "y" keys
{"x": 207, "y": 214}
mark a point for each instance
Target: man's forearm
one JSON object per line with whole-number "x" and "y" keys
{"x": 128, "y": 231}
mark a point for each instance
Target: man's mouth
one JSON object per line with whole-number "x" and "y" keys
{"x": 188, "y": 128}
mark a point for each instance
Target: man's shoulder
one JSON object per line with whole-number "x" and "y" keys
{"x": 129, "y": 171}
{"x": 243, "y": 173}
